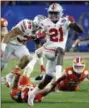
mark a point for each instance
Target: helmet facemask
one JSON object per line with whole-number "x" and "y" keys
{"x": 78, "y": 65}
{"x": 78, "y": 68}
{"x": 55, "y": 12}
{"x": 54, "y": 16}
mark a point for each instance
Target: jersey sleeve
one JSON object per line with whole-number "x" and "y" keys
{"x": 24, "y": 26}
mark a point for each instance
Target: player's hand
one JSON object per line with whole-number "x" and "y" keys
{"x": 76, "y": 43}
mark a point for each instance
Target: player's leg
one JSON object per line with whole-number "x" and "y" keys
{"x": 23, "y": 54}
{"x": 7, "y": 55}
{"x": 39, "y": 54}
{"x": 46, "y": 80}
{"x": 59, "y": 53}
{"x": 29, "y": 68}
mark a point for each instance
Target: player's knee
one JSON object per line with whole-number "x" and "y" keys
{"x": 24, "y": 61}
{"x": 45, "y": 81}
{"x": 59, "y": 54}
{"x": 38, "y": 53}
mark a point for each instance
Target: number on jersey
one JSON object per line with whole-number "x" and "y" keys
{"x": 54, "y": 34}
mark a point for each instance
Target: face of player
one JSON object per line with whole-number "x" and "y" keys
{"x": 79, "y": 69}
{"x": 54, "y": 16}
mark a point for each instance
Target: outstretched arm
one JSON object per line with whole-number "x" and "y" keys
{"x": 76, "y": 27}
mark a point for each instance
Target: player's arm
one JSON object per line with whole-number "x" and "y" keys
{"x": 73, "y": 25}
{"x": 76, "y": 27}
{"x": 11, "y": 34}
{"x": 78, "y": 41}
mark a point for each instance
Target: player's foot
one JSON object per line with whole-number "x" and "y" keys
{"x": 30, "y": 100}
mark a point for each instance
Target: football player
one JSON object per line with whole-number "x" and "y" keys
{"x": 24, "y": 62}
{"x": 74, "y": 75}
{"x": 20, "y": 88}
{"x": 55, "y": 29}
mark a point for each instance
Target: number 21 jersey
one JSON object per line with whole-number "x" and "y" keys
{"x": 56, "y": 33}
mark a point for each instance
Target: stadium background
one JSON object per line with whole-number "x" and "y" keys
{"x": 18, "y": 10}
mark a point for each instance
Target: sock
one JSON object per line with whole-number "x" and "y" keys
{"x": 58, "y": 71}
{"x": 41, "y": 61}
{"x": 9, "y": 77}
{"x": 42, "y": 68}
{"x": 29, "y": 68}
{"x": 35, "y": 91}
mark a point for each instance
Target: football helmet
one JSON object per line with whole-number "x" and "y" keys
{"x": 55, "y": 12}
{"x": 38, "y": 19}
{"x": 78, "y": 65}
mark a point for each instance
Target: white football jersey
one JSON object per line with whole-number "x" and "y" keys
{"x": 25, "y": 27}
{"x": 57, "y": 33}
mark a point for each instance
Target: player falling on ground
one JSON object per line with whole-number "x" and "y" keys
{"x": 56, "y": 28}
{"x": 73, "y": 75}
{"x": 16, "y": 40}
{"x": 21, "y": 85}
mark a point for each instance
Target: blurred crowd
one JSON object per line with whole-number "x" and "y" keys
{"x": 41, "y": 2}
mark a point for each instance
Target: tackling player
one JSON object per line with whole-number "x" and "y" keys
{"x": 55, "y": 29}
{"x": 24, "y": 59}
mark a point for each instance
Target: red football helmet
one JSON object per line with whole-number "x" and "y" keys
{"x": 78, "y": 65}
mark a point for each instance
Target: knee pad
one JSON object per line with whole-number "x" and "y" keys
{"x": 24, "y": 61}
{"x": 45, "y": 81}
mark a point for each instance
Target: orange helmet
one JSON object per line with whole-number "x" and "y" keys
{"x": 78, "y": 65}
{"x": 4, "y": 22}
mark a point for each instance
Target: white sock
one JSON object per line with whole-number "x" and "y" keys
{"x": 35, "y": 91}
{"x": 10, "y": 76}
{"x": 41, "y": 61}
{"x": 29, "y": 68}
{"x": 58, "y": 71}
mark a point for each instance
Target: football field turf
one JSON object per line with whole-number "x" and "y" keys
{"x": 79, "y": 99}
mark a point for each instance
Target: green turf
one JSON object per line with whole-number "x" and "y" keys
{"x": 78, "y": 99}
